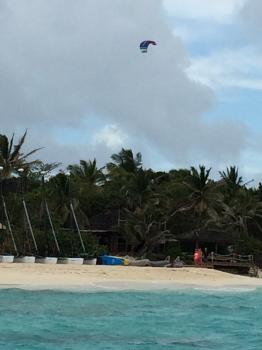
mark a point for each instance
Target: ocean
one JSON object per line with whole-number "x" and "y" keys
{"x": 182, "y": 320}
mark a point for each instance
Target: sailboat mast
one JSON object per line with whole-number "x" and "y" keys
{"x": 52, "y": 227}
{"x": 29, "y": 224}
{"x": 9, "y": 225}
{"x": 77, "y": 227}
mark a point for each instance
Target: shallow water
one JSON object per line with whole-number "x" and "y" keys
{"x": 182, "y": 319}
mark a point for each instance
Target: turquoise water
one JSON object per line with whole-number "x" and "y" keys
{"x": 184, "y": 319}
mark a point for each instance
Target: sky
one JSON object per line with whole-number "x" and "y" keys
{"x": 72, "y": 74}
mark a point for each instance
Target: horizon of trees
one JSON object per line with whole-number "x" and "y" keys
{"x": 153, "y": 206}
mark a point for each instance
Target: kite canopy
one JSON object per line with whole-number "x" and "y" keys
{"x": 144, "y": 45}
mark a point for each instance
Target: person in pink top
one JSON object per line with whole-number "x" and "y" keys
{"x": 198, "y": 256}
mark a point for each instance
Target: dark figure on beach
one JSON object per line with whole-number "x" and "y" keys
{"x": 205, "y": 255}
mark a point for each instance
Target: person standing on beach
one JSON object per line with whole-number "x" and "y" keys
{"x": 205, "y": 255}
{"x": 198, "y": 256}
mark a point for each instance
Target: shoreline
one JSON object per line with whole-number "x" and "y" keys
{"x": 132, "y": 287}
{"x": 119, "y": 278}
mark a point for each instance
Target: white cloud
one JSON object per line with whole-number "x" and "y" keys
{"x": 110, "y": 135}
{"x": 215, "y": 10}
{"x": 238, "y": 68}
{"x": 64, "y": 62}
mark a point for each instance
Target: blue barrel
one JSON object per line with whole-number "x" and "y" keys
{"x": 111, "y": 260}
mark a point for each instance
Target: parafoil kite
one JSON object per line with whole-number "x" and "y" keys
{"x": 144, "y": 45}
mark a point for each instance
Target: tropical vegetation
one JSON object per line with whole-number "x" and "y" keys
{"x": 148, "y": 208}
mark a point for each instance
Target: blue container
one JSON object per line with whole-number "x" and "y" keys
{"x": 111, "y": 260}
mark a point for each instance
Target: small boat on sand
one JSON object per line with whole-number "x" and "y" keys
{"x": 25, "y": 259}
{"x": 6, "y": 259}
{"x": 90, "y": 261}
{"x": 161, "y": 263}
{"x": 46, "y": 260}
{"x": 139, "y": 262}
{"x": 111, "y": 260}
{"x": 74, "y": 261}
{"x": 147, "y": 262}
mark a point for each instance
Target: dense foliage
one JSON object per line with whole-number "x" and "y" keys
{"x": 150, "y": 208}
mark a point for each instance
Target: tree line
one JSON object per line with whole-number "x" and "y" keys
{"x": 153, "y": 206}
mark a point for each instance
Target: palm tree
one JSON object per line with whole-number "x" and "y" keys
{"x": 137, "y": 188}
{"x": 127, "y": 178}
{"x": 11, "y": 157}
{"x": 40, "y": 171}
{"x": 144, "y": 229}
{"x": 201, "y": 189}
{"x": 245, "y": 209}
{"x": 87, "y": 172}
{"x": 232, "y": 180}
{"x": 59, "y": 188}
{"x": 126, "y": 161}
{"x": 204, "y": 197}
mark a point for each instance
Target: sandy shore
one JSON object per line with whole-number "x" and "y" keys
{"x": 83, "y": 277}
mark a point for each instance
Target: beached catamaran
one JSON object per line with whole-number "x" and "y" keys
{"x": 74, "y": 260}
{"x": 27, "y": 259}
{"x": 30, "y": 258}
{"x": 8, "y": 258}
{"x": 48, "y": 260}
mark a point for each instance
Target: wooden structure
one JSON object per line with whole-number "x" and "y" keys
{"x": 216, "y": 241}
{"x": 230, "y": 263}
{"x": 105, "y": 226}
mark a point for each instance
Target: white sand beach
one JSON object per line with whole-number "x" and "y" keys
{"x": 82, "y": 277}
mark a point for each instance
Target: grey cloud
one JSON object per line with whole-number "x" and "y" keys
{"x": 63, "y": 62}
{"x": 67, "y": 152}
{"x": 250, "y": 17}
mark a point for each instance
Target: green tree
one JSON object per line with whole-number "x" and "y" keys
{"x": 87, "y": 172}
{"x": 243, "y": 213}
{"x": 125, "y": 160}
{"x": 127, "y": 177}
{"x": 11, "y": 156}
{"x": 232, "y": 181}
{"x": 144, "y": 229}
{"x": 204, "y": 198}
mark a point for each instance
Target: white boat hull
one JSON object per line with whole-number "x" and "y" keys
{"x": 161, "y": 263}
{"x": 46, "y": 260}
{"x": 25, "y": 260}
{"x": 142, "y": 262}
{"x": 90, "y": 261}
{"x": 6, "y": 259}
{"x": 75, "y": 261}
